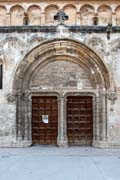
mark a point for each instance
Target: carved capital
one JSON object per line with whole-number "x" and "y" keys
{"x": 11, "y": 97}
{"x": 112, "y": 96}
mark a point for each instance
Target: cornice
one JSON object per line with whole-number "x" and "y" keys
{"x": 27, "y": 1}
{"x": 46, "y": 29}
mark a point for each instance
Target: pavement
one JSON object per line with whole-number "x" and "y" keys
{"x": 52, "y": 163}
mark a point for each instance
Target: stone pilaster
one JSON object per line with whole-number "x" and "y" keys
{"x": 97, "y": 119}
{"x": 43, "y": 19}
{"x": 23, "y": 119}
{"x": 78, "y": 18}
{"x": 8, "y": 23}
{"x": 62, "y": 130}
{"x": 114, "y": 23}
{"x": 104, "y": 118}
{"x": 27, "y": 119}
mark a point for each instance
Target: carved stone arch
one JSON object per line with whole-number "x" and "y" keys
{"x": 34, "y": 15}
{"x": 3, "y": 12}
{"x": 50, "y": 12}
{"x": 87, "y": 13}
{"x": 61, "y": 55}
{"x": 117, "y": 12}
{"x": 44, "y": 51}
{"x": 104, "y": 14}
{"x": 17, "y": 15}
{"x": 72, "y": 16}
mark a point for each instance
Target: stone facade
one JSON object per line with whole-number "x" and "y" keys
{"x": 47, "y": 58}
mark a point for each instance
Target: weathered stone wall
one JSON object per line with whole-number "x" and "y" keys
{"x": 14, "y": 46}
{"x": 61, "y": 75}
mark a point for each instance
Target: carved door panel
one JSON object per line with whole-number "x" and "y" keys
{"x": 44, "y": 120}
{"x": 79, "y": 120}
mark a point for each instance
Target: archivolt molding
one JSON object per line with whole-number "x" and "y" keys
{"x": 60, "y": 48}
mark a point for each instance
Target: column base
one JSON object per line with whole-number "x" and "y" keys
{"x": 100, "y": 144}
{"x": 106, "y": 144}
{"x": 15, "y": 144}
{"x": 62, "y": 142}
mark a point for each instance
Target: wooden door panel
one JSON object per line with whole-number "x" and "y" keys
{"x": 79, "y": 120}
{"x": 44, "y": 132}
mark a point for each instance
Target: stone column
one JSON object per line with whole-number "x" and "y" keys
{"x": 94, "y": 119}
{"x": 96, "y": 123}
{"x": 27, "y": 111}
{"x": 114, "y": 23}
{"x": 29, "y": 115}
{"x": 78, "y": 18}
{"x": 23, "y": 121}
{"x": 8, "y": 23}
{"x": 104, "y": 118}
{"x": 97, "y": 136}
{"x": 43, "y": 19}
{"x": 18, "y": 118}
{"x": 62, "y": 130}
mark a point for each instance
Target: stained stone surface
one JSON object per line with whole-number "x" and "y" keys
{"x": 59, "y": 74}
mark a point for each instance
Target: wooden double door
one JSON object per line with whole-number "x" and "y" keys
{"x": 44, "y": 120}
{"x": 79, "y": 116}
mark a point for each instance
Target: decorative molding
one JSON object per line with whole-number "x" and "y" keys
{"x": 82, "y": 29}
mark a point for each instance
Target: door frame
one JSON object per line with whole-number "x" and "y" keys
{"x": 62, "y": 140}
{"x": 99, "y": 115}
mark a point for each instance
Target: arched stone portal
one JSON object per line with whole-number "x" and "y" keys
{"x": 61, "y": 68}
